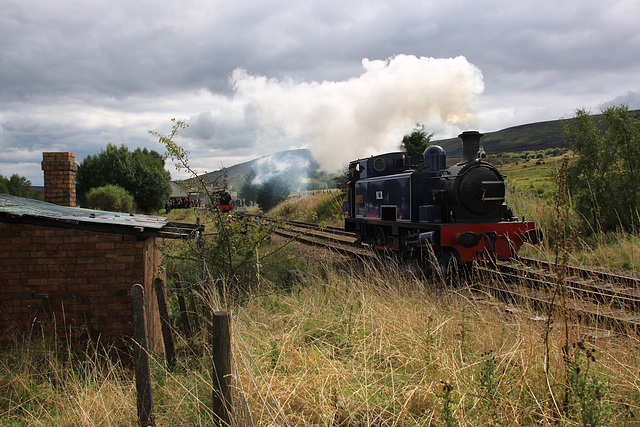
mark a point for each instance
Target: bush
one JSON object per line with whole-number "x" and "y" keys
{"x": 140, "y": 172}
{"x": 110, "y": 198}
{"x": 603, "y": 181}
{"x": 330, "y": 206}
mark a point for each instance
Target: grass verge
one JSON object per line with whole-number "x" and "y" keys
{"x": 358, "y": 347}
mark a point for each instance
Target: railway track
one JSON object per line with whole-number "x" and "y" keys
{"x": 591, "y": 296}
{"x": 332, "y": 238}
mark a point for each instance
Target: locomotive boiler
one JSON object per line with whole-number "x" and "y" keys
{"x": 412, "y": 204}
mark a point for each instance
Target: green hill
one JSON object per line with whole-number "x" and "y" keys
{"x": 529, "y": 137}
{"x": 297, "y": 167}
{"x": 300, "y": 165}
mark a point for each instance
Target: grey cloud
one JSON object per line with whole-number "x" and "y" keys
{"x": 630, "y": 99}
{"x": 209, "y": 132}
{"x": 76, "y": 75}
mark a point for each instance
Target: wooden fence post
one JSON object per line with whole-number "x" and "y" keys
{"x": 221, "y": 375}
{"x": 141, "y": 355}
{"x": 186, "y": 324}
{"x": 165, "y": 322}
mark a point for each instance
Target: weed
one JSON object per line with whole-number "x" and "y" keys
{"x": 586, "y": 392}
{"x": 448, "y": 404}
{"x": 463, "y": 336}
{"x": 488, "y": 382}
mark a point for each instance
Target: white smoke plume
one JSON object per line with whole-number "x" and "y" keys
{"x": 291, "y": 166}
{"x": 346, "y": 120}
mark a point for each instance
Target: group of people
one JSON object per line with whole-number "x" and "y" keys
{"x": 183, "y": 203}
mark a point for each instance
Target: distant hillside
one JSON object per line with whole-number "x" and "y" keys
{"x": 297, "y": 164}
{"x": 528, "y": 137}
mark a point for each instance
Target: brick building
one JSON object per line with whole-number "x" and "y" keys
{"x": 72, "y": 269}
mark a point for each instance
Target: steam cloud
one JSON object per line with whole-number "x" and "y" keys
{"x": 290, "y": 166}
{"x": 346, "y": 120}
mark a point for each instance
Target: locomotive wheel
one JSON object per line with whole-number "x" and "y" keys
{"x": 381, "y": 237}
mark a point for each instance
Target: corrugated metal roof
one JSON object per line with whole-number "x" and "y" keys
{"x": 25, "y": 209}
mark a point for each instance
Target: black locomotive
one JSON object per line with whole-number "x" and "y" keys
{"x": 223, "y": 200}
{"x": 408, "y": 203}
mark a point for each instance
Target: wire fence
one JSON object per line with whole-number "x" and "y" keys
{"x": 244, "y": 360}
{"x": 252, "y": 400}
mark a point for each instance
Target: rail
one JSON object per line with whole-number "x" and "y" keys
{"x": 610, "y": 299}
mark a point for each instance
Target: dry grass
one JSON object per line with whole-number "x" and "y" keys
{"x": 369, "y": 351}
{"x": 617, "y": 251}
{"x": 613, "y": 251}
{"x": 356, "y": 348}
{"x": 42, "y": 385}
{"x": 322, "y": 207}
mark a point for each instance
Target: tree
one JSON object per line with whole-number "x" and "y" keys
{"x": 417, "y": 141}
{"x": 604, "y": 181}
{"x": 231, "y": 252}
{"x": 19, "y": 186}
{"x": 140, "y": 172}
{"x": 271, "y": 193}
{"x": 248, "y": 190}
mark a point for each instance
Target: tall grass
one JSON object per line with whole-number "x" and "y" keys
{"x": 318, "y": 208}
{"x": 43, "y": 384}
{"x": 359, "y": 347}
{"x": 369, "y": 349}
{"x": 615, "y": 251}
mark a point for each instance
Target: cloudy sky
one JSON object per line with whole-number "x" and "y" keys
{"x": 343, "y": 78}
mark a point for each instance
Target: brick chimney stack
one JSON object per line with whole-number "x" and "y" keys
{"x": 59, "y": 178}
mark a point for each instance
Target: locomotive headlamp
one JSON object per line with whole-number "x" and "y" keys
{"x": 468, "y": 239}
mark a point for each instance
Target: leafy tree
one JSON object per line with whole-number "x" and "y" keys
{"x": 19, "y": 186}
{"x": 140, "y": 172}
{"x": 271, "y": 193}
{"x": 604, "y": 180}
{"x": 110, "y": 198}
{"x": 340, "y": 181}
{"x": 417, "y": 141}
{"x": 231, "y": 254}
{"x": 248, "y": 191}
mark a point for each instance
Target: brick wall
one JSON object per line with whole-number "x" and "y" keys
{"x": 76, "y": 281}
{"x": 59, "y": 178}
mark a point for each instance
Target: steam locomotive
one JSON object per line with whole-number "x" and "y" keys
{"x": 412, "y": 204}
{"x": 223, "y": 200}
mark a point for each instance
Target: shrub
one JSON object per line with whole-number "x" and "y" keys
{"x": 110, "y": 198}
{"x": 330, "y": 206}
{"x": 603, "y": 180}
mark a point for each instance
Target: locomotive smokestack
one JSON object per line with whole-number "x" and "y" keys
{"x": 470, "y": 145}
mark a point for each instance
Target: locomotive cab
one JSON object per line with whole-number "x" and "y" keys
{"x": 387, "y": 164}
